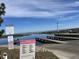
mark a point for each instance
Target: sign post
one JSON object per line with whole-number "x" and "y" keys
{"x": 9, "y": 32}
{"x": 27, "y": 49}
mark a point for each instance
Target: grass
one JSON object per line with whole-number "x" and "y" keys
{"x": 14, "y": 54}
{"x": 45, "y": 55}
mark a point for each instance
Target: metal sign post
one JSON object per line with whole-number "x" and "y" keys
{"x": 9, "y": 31}
{"x": 27, "y": 49}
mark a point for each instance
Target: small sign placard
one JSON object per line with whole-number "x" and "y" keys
{"x": 9, "y": 30}
{"x": 27, "y": 49}
{"x": 10, "y": 42}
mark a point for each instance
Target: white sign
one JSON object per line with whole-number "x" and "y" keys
{"x": 9, "y": 30}
{"x": 27, "y": 49}
{"x": 10, "y": 42}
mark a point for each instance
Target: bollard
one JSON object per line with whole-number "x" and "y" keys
{"x": 0, "y": 54}
{"x": 5, "y": 56}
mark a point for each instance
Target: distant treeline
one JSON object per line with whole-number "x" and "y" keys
{"x": 73, "y": 30}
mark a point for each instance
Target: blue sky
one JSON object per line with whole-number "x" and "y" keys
{"x": 41, "y": 15}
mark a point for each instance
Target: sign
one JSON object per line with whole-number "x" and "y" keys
{"x": 10, "y": 42}
{"x": 27, "y": 49}
{"x": 10, "y": 30}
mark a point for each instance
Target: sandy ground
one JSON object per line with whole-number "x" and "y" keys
{"x": 69, "y": 50}
{"x": 14, "y": 53}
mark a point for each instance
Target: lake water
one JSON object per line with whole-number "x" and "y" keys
{"x": 4, "y": 41}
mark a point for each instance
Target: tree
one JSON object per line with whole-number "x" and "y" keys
{"x": 2, "y": 13}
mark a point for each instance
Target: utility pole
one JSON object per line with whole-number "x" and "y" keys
{"x": 59, "y": 18}
{"x": 57, "y": 26}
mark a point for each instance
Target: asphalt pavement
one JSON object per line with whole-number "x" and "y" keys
{"x": 68, "y": 50}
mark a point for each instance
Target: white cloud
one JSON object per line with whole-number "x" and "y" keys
{"x": 76, "y": 3}
{"x": 38, "y": 8}
{"x": 76, "y": 17}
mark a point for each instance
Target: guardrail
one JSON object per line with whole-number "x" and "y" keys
{"x": 62, "y": 38}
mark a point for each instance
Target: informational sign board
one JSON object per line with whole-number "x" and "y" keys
{"x": 27, "y": 49}
{"x": 10, "y": 42}
{"x": 9, "y": 31}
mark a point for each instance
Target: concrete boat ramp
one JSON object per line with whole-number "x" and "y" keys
{"x": 69, "y": 50}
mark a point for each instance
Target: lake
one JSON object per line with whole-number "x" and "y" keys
{"x": 4, "y": 41}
